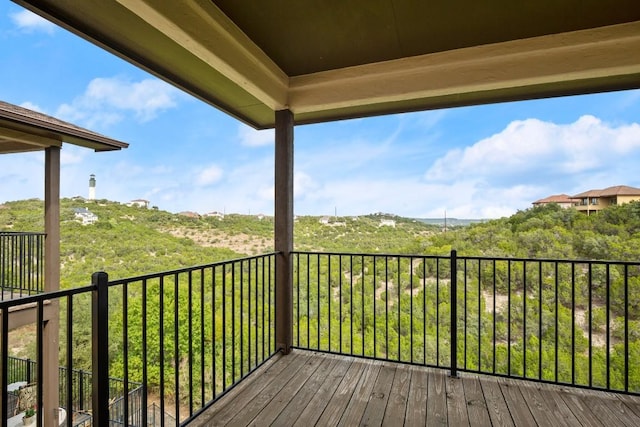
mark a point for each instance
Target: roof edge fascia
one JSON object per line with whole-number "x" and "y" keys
{"x": 598, "y": 53}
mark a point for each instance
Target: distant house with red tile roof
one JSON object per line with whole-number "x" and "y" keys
{"x": 596, "y": 200}
{"x": 561, "y": 199}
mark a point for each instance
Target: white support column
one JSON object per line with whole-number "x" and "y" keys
{"x": 284, "y": 229}
{"x": 50, "y": 348}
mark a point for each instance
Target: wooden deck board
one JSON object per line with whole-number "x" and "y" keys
{"x": 517, "y": 405}
{"x": 360, "y": 399}
{"x": 416, "y": 414}
{"x": 611, "y": 411}
{"x": 244, "y": 413}
{"x": 340, "y": 399}
{"x": 496, "y": 404}
{"x": 224, "y": 409}
{"x": 580, "y": 410}
{"x": 314, "y": 389}
{"x": 379, "y": 397}
{"x": 436, "y": 400}
{"x": 559, "y": 408}
{"x": 398, "y": 396}
{"x": 303, "y": 396}
{"x": 476, "y": 403}
{"x": 290, "y": 392}
{"x": 456, "y": 403}
{"x": 632, "y": 402}
{"x": 320, "y": 403}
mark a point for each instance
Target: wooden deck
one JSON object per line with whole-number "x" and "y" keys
{"x": 312, "y": 389}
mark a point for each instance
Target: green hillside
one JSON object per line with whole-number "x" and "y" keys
{"x": 125, "y": 241}
{"x": 549, "y": 232}
{"x": 128, "y": 241}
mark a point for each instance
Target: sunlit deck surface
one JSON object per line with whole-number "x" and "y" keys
{"x": 307, "y": 388}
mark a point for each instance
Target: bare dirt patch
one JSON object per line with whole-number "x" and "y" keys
{"x": 22, "y": 341}
{"x": 242, "y": 243}
{"x": 501, "y": 302}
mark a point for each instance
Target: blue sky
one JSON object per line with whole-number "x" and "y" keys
{"x": 473, "y": 162}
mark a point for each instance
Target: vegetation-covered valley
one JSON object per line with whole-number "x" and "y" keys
{"x": 535, "y": 319}
{"x": 128, "y": 241}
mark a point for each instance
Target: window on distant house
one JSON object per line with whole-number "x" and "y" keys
{"x": 594, "y": 200}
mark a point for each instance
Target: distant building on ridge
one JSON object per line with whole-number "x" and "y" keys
{"x": 141, "y": 203}
{"x": 92, "y": 187}
{"x": 84, "y": 216}
{"x": 594, "y": 200}
{"x": 561, "y": 199}
{"x": 215, "y": 214}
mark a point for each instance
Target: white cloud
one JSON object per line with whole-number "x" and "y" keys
{"x": 209, "y": 175}
{"x": 531, "y": 159}
{"x": 532, "y": 146}
{"x": 70, "y": 154}
{"x": 24, "y": 172}
{"x": 29, "y": 22}
{"x": 255, "y": 138}
{"x": 303, "y": 184}
{"x": 107, "y": 101}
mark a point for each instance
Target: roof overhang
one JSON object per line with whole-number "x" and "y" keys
{"x": 23, "y": 130}
{"x": 330, "y": 60}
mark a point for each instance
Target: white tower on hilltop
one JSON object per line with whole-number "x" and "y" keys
{"x": 92, "y": 187}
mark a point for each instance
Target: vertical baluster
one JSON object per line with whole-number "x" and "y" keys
{"x": 454, "y": 313}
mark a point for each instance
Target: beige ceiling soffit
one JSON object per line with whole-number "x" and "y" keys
{"x": 10, "y": 147}
{"x": 588, "y": 54}
{"x": 220, "y": 43}
{"x": 37, "y": 141}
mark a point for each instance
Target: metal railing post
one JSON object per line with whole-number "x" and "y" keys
{"x": 454, "y": 313}
{"x": 99, "y": 349}
{"x": 81, "y": 390}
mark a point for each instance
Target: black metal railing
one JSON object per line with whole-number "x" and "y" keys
{"x": 570, "y": 322}
{"x": 21, "y": 264}
{"x": 190, "y": 335}
{"x": 24, "y": 371}
{"x": 180, "y": 338}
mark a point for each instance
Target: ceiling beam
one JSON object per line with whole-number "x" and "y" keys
{"x": 208, "y": 34}
{"x": 8, "y": 147}
{"x": 38, "y": 142}
{"x": 602, "y": 57}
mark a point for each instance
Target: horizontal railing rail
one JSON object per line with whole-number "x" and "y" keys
{"x": 571, "y": 322}
{"x": 21, "y": 264}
